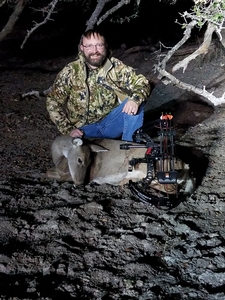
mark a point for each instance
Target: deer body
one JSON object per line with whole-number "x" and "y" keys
{"x": 105, "y": 163}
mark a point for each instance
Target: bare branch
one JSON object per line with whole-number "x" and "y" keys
{"x": 188, "y": 87}
{"x": 203, "y": 49}
{"x": 37, "y": 25}
{"x": 2, "y": 2}
{"x": 13, "y": 18}
{"x": 36, "y": 94}
{"x": 187, "y": 34}
{"x": 204, "y": 12}
{"x": 94, "y": 17}
{"x": 112, "y": 10}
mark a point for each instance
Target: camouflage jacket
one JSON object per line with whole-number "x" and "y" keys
{"x": 82, "y": 96}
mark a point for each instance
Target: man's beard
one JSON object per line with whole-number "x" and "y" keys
{"x": 96, "y": 61}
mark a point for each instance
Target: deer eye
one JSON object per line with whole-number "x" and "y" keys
{"x": 79, "y": 161}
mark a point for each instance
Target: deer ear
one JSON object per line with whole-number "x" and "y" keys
{"x": 97, "y": 148}
{"x": 77, "y": 142}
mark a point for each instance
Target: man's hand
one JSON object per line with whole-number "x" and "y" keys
{"x": 131, "y": 107}
{"x": 77, "y": 133}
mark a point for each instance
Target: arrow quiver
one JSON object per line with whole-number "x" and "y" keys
{"x": 166, "y": 173}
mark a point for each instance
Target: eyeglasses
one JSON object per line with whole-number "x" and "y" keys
{"x": 90, "y": 47}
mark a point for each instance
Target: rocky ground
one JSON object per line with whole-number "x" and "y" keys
{"x": 100, "y": 242}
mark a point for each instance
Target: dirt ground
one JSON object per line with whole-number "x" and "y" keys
{"x": 100, "y": 242}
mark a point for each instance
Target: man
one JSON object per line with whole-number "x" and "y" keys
{"x": 97, "y": 96}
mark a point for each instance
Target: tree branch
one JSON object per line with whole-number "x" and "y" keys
{"x": 212, "y": 13}
{"x": 2, "y": 2}
{"x": 50, "y": 10}
{"x": 112, "y": 10}
{"x": 94, "y": 17}
{"x": 187, "y": 34}
{"x": 203, "y": 49}
{"x": 188, "y": 87}
{"x": 13, "y": 18}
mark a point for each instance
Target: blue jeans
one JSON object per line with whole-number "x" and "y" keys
{"x": 116, "y": 124}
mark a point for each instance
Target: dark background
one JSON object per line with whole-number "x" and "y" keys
{"x": 156, "y": 22}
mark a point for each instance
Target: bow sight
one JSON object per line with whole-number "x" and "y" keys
{"x": 160, "y": 153}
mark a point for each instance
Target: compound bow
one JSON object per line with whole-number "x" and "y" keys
{"x": 156, "y": 152}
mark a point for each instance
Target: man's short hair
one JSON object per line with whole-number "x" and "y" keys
{"x": 92, "y": 32}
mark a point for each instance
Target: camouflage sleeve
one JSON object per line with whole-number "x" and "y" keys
{"x": 56, "y": 101}
{"x": 136, "y": 86}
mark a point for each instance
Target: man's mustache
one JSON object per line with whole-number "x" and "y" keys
{"x": 96, "y": 53}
